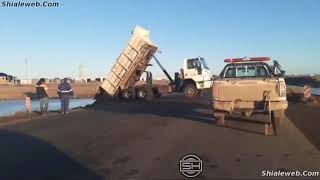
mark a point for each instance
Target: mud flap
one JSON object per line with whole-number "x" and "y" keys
{"x": 269, "y": 128}
{"x": 220, "y": 118}
{"x": 278, "y": 118}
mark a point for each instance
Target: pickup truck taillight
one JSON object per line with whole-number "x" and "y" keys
{"x": 282, "y": 89}
{"x": 215, "y": 91}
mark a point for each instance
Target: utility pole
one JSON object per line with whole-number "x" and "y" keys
{"x": 81, "y": 73}
{"x": 26, "y": 69}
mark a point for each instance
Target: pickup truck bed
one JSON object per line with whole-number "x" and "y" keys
{"x": 235, "y": 94}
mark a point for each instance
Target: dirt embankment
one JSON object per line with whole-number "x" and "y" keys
{"x": 305, "y": 117}
{"x": 303, "y": 80}
{"x": 86, "y": 90}
{"x": 295, "y": 95}
{"x": 304, "y": 114}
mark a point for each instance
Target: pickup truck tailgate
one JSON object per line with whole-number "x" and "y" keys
{"x": 245, "y": 90}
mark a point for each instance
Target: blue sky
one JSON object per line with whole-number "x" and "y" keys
{"x": 93, "y": 33}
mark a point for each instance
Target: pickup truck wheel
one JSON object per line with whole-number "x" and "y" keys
{"x": 247, "y": 113}
{"x": 190, "y": 90}
{"x": 277, "y": 118}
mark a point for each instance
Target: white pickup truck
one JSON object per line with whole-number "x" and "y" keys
{"x": 248, "y": 86}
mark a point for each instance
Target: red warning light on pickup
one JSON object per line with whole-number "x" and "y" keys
{"x": 234, "y": 60}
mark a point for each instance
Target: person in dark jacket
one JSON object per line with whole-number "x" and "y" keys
{"x": 42, "y": 93}
{"x": 65, "y": 92}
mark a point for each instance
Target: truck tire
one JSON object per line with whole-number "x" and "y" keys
{"x": 190, "y": 90}
{"x": 247, "y": 113}
{"x": 142, "y": 94}
{"x": 126, "y": 95}
{"x": 156, "y": 92}
{"x": 277, "y": 118}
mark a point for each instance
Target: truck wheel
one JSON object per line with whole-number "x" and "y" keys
{"x": 157, "y": 95}
{"x": 126, "y": 95}
{"x": 277, "y": 118}
{"x": 142, "y": 94}
{"x": 190, "y": 90}
{"x": 247, "y": 113}
{"x": 156, "y": 92}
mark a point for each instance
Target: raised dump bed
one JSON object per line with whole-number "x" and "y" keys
{"x": 130, "y": 65}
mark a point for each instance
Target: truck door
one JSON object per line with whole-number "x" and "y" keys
{"x": 192, "y": 68}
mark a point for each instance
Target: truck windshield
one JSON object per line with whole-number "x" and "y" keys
{"x": 246, "y": 70}
{"x": 204, "y": 63}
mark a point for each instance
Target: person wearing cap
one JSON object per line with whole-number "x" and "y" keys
{"x": 65, "y": 92}
{"x": 42, "y": 93}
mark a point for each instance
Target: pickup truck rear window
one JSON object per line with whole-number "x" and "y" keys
{"x": 245, "y": 70}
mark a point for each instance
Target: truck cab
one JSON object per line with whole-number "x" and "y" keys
{"x": 196, "y": 75}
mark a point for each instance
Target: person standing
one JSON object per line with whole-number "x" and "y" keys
{"x": 42, "y": 93}
{"x": 65, "y": 92}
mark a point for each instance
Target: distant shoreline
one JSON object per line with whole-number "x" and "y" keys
{"x": 302, "y": 81}
{"x": 81, "y": 91}
{"x": 2, "y": 100}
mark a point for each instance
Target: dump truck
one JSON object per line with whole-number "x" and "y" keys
{"x": 129, "y": 67}
{"x": 133, "y": 62}
{"x": 251, "y": 86}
